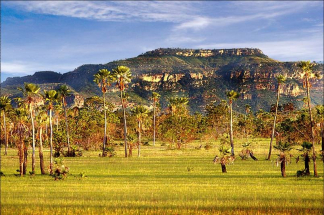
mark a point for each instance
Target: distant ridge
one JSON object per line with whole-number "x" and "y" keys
{"x": 203, "y": 75}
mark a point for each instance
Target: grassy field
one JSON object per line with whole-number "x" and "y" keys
{"x": 159, "y": 183}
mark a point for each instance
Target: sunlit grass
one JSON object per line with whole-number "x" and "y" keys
{"x": 159, "y": 183}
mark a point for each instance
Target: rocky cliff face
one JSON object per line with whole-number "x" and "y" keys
{"x": 202, "y": 75}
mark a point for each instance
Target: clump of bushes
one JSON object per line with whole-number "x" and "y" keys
{"x": 60, "y": 170}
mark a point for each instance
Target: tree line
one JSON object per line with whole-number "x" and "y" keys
{"x": 43, "y": 119}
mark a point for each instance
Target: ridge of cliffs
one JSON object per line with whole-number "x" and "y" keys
{"x": 203, "y": 75}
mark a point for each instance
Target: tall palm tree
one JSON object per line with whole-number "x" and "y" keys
{"x": 64, "y": 92}
{"x": 5, "y": 104}
{"x": 20, "y": 129}
{"x": 30, "y": 91}
{"x": 155, "y": 97}
{"x": 104, "y": 79}
{"x": 51, "y": 97}
{"x": 280, "y": 79}
{"x": 140, "y": 113}
{"x": 232, "y": 95}
{"x": 307, "y": 71}
{"x": 123, "y": 76}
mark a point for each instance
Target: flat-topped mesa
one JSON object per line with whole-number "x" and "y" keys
{"x": 204, "y": 52}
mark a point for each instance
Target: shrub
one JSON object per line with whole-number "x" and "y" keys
{"x": 60, "y": 170}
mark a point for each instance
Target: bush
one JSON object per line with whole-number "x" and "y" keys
{"x": 110, "y": 152}
{"x": 75, "y": 151}
{"x": 60, "y": 170}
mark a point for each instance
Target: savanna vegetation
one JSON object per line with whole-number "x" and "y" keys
{"x": 185, "y": 162}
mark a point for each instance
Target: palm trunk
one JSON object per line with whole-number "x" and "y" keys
{"x": 139, "y": 139}
{"x": 67, "y": 127}
{"x": 322, "y": 141}
{"x": 57, "y": 125}
{"x": 25, "y": 158}
{"x": 105, "y": 134}
{"x": 223, "y": 168}
{"x": 21, "y": 156}
{"x": 154, "y": 123}
{"x": 51, "y": 143}
{"x": 307, "y": 159}
{"x": 312, "y": 128}
{"x": 283, "y": 166}
{"x": 41, "y": 156}
{"x": 5, "y": 132}
{"x": 274, "y": 122}
{"x": 33, "y": 129}
{"x": 231, "y": 129}
{"x": 125, "y": 126}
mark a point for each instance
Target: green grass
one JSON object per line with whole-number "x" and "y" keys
{"x": 159, "y": 183}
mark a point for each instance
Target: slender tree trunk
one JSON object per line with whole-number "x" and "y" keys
{"x": 104, "y": 154}
{"x": 322, "y": 125}
{"x": 21, "y": 156}
{"x": 67, "y": 127}
{"x": 139, "y": 139}
{"x": 33, "y": 129}
{"x": 41, "y": 156}
{"x": 312, "y": 126}
{"x": 5, "y": 132}
{"x": 51, "y": 143}
{"x": 125, "y": 126}
{"x": 25, "y": 159}
{"x": 283, "y": 166}
{"x": 154, "y": 123}
{"x": 231, "y": 129}
{"x": 274, "y": 122}
{"x": 307, "y": 160}
{"x": 57, "y": 123}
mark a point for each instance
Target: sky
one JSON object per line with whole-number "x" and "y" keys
{"x": 63, "y": 35}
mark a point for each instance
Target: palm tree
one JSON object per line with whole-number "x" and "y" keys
{"x": 21, "y": 129}
{"x": 5, "y": 104}
{"x": 122, "y": 74}
{"x": 178, "y": 108}
{"x": 64, "y": 92}
{"x": 104, "y": 79}
{"x": 280, "y": 79}
{"x": 225, "y": 156}
{"x": 42, "y": 120}
{"x": 178, "y": 105}
{"x": 51, "y": 97}
{"x": 307, "y": 71}
{"x": 232, "y": 95}
{"x": 284, "y": 149}
{"x": 30, "y": 91}
{"x": 306, "y": 149}
{"x": 140, "y": 113}
{"x": 155, "y": 97}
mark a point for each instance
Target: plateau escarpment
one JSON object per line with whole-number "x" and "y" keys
{"x": 203, "y": 75}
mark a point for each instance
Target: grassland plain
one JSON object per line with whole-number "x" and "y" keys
{"x": 159, "y": 183}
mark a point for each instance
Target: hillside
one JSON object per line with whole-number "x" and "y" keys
{"x": 202, "y": 75}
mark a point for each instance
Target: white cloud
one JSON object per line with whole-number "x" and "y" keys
{"x": 111, "y": 11}
{"x": 26, "y": 68}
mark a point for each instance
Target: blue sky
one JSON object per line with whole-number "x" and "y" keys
{"x": 62, "y": 35}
